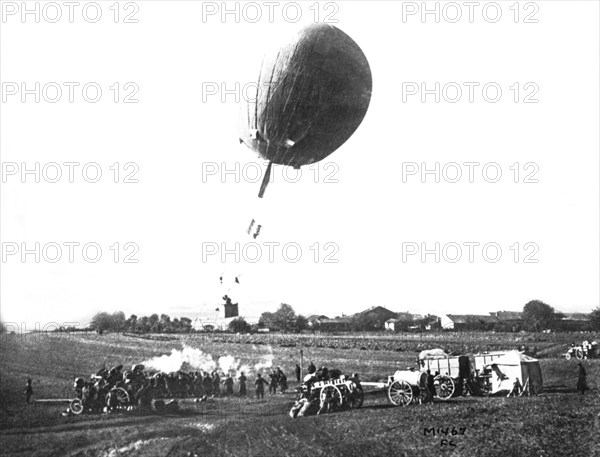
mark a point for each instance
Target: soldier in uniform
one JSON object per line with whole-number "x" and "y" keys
{"x": 242, "y": 379}
{"x": 28, "y": 390}
{"x": 228, "y": 383}
{"x": 207, "y": 385}
{"x": 274, "y": 381}
{"x": 216, "y": 380}
{"x": 260, "y": 386}
{"x": 582, "y": 379}
{"x": 282, "y": 380}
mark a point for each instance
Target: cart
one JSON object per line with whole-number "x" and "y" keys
{"x": 338, "y": 393}
{"x": 404, "y": 388}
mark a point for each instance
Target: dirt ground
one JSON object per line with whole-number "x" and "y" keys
{"x": 560, "y": 422}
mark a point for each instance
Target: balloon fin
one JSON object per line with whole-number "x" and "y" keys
{"x": 265, "y": 181}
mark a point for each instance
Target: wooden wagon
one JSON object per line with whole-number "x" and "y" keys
{"x": 449, "y": 374}
{"x": 337, "y": 393}
{"x": 404, "y": 387}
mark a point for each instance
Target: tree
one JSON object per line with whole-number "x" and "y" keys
{"x": 239, "y": 325}
{"x": 154, "y": 323}
{"x": 538, "y": 315}
{"x": 266, "y": 320}
{"x": 285, "y": 317}
{"x": 101, "y": 322}
{"x": 301, "y": 323}
{"x": 118, "y": 321}
{"x": 131, "y": 323}
{"x": 185, "y": 324}
{"x": 114, "y": 322}
{"x": 595, "y": 319}
{"x": 165, "y": 323}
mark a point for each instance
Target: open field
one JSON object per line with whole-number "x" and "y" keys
{"x": 558, "y": 423}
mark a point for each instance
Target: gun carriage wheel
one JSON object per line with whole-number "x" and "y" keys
{"x": 355, "y": 396}
{"x": 332, "y": 395}
{"x": 76, "y": 406}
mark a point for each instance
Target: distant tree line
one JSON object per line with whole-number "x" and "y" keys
{"x": 536, "y": 316}
{"x": 117, "y": 322}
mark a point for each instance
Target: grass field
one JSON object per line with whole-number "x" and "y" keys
{"x": 559, "y": 422}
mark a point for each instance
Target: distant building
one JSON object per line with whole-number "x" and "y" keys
{"x": 573, "y": 322}
{"x": 508, "y": 321}
{"x": 468, "y": 322}
{"x": 314, "y": 320}
{"x": 339, "y": 324}
{"x": 375, "y": 317}
{"x": 402, "y": 323}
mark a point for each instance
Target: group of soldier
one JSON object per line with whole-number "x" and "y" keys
{"x": 116, "y": 388}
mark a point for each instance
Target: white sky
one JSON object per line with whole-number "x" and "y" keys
{"x": 369, "y": 213}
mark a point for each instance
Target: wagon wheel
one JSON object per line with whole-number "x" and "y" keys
{"x": 332, "y": 395}
{"x": 579, "y": 354}
{"x": 355, "y": 396}
{"x": 568, "y": 356}
{"x": 444, "y": 387}
{"x": 122, "y": 397}
{"x": 400, "y": 393}
{"x": 76, "y": 406}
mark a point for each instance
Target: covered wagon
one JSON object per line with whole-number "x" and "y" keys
{"x": 515, "y": 373}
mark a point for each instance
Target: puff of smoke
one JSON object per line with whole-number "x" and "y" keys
{"x": 187, "y": 358}
{"x": 266, "y": 362}
{"x": 190, "y": 358}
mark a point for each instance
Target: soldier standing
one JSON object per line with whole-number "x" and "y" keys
{"x": 260, "y": 386}
{"x": 274, "y": 381}
{"x": 207, "y": 384}
{"x": 582, "y": 381}
{"x": 28, "y": 390}
{"x": 282, "y": 380}
{"x": 298, "y": 373}
{"x": 242, "y": 380}
{"x": 216, "y": 380}
{"x": 228, "y": 385}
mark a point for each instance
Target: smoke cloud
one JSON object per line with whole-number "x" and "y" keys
{"x": 193, "y": 359}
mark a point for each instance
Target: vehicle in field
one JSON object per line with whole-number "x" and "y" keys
{"x": 483, "y": 374}
{"x": 404, "y": 387}
{"x": 585, "y": 350}
{"x": 338, "y": 392}
{"x": 449, "y": 374}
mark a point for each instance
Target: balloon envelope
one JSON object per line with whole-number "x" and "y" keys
{"x": 311, "y": 95}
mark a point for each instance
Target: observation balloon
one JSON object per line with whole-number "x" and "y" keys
{"x": 312, "y": 93}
